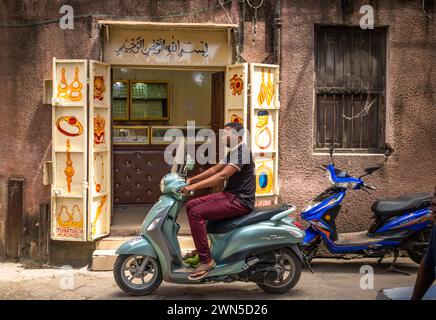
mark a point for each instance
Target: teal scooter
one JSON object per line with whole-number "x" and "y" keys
{"x": 260, "y": 247}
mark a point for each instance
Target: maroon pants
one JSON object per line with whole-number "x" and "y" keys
{"x": 215, "y": 206}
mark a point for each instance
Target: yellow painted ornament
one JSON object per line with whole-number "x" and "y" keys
{"x": 264, "y": 179}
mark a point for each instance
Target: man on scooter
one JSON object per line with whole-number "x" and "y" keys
{"x": 427, "y": 268}
{"x": 237, "y": 198}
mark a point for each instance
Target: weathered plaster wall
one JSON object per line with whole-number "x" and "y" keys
{"x": 26, "y": 56}
{"x": 410, "y": 105}
{"x": 26, "y": 60}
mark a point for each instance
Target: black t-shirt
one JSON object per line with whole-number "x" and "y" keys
{"x": 243, "y": 182}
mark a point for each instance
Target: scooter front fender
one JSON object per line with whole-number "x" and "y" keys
{"x": 137, "y": 245}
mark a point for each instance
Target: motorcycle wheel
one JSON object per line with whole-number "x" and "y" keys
{"x": 289, "y": 267}
{"x": 137, "y": 275}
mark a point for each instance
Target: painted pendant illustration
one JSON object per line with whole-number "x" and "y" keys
{"x": 69, "y": 169}
{"x": 237, "y": 119}
{"x": 63, "y": 86}
{"x": 98, "y": 213}
{"x": 262, "y": 90}
{"x": 98, "y": 185}
{"x": 263, "y": 137}
{"x": 269, "y": 89}
{"x": 72, "y": 122}
{"x": 264, "y": 179}
{"x": 99, "y": 88}
{"x": 76, "y": 87}
{"x": 99, "y": 131}
{"x": 237, "y": 85}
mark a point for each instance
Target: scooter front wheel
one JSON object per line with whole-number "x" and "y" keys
{"x": 137, "y": 275}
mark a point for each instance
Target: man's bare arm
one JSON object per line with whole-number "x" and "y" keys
{"x": 214, "y": 180}
{"x": 206, "y": 174}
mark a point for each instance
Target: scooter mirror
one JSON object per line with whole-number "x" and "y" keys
{"x": 189, "y": 163}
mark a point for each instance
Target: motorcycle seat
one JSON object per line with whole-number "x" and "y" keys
{"x": 389, "y": 208}
{"x": 257, "y": 215}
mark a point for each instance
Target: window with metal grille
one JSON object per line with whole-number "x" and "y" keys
{"x": 350, "y": 67}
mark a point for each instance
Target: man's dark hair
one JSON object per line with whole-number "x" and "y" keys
{"x": 239, "y": 128}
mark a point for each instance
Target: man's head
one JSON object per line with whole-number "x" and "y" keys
{"x": 233, "y": 133}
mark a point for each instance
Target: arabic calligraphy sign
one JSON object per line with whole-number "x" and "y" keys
{"x": 168, "y": 47}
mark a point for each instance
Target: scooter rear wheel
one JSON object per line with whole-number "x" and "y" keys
{"x": 290, "y": 271}
{"x": 137, "y": 275}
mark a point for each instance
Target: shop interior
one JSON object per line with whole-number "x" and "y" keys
{"x": 145, "y": 104}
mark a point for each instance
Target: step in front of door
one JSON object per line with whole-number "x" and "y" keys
{"x": 103, "y": 258}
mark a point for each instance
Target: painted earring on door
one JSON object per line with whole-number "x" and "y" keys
{"x": 63, "y": 86}
{"x": 76, "y": 87}
{"x": 262, "y": 90}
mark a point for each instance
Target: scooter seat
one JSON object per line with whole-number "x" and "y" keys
{"x": 389, "y": 208}
{"x": 257, "y": 215}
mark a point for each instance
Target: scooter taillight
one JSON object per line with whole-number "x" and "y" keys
{"x": 299, "y": 225}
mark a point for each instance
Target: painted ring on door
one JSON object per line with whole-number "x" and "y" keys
{"x": 72, "y": 122}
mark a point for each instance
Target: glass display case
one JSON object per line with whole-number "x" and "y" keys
{"x": 120, "y": 100}
{"x": 157, "y": 134}
{"x": 149, "y": 100}
{"x": 131, "y": 135}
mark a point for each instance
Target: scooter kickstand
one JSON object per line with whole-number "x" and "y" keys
{"x": 393, "y": 268}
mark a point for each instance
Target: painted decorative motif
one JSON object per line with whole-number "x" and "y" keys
{"x": 266, "y": 91}
{"x": 76, "y": 87}
{"x": 63, "y": 86}
{"x": 99, "y": 131}
{"x": 237, "y": 119}
{"x": 264, "y": 179}
{"x": 98, "y": 214}
{"x": 99, "y": 88}
{"x": 69, "y": 169}
{"x": 66, "y": 218}
{"x": 262, "y": 90}
{"x": 98, "y": 185}
{"x": 263, "y": 137}
{"x": 237, "y": 85}
{"x": 71, "y": 121}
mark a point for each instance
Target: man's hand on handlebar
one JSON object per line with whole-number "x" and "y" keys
{"x": 187, "y": 191}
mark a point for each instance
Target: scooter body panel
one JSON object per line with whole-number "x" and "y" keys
{"x": 137, "y": 245}
{"x": 267, "y": 234}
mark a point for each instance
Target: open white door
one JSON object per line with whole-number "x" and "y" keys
{"x": 99, "y": 197}
{"x": 69, "y": 150}
{"x": 235, "y": 103}
{"x": 81, "y": 150}
{"x": 264, "y": 124}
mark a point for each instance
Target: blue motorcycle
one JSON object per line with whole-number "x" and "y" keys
{"x": 402, "y": 223}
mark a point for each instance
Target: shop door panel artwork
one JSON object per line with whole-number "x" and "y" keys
{"x": 264, "y": 116}
{"x": 99, "y": 150}
{"x": 70, "y": 78}
{"x": 69, "y": 150}
{"x": 235, "y": 106}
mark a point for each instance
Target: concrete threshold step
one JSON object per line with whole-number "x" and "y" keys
{"x": 103, "y": 258}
